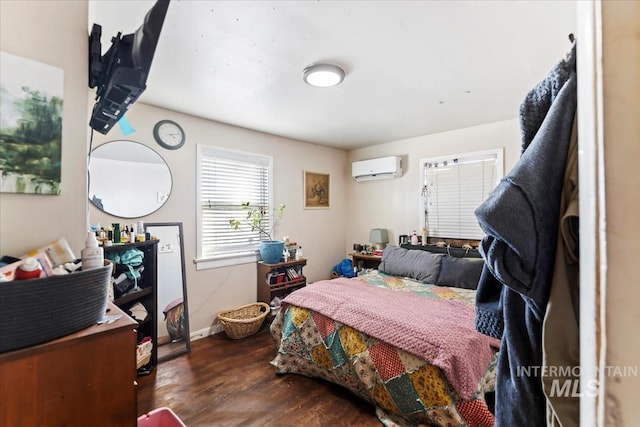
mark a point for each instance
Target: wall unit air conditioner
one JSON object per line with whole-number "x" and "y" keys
{"x": 382, "y": 168}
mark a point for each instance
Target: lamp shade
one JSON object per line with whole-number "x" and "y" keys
{"x": 379, "y": 235}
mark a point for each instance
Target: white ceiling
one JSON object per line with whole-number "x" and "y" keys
{"x": 412, "y": 67}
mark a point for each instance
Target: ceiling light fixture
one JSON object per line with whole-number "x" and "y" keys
{"x": 323, "y": 75}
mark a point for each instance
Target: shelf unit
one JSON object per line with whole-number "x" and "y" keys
{"x": 147, "y": 296}
{"x": 269, "y": 284}
{"x": 365, "y": 261}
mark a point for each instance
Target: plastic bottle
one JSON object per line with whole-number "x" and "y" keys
{"x": 299, "y": 253}
{"x": 116, "y": 233}
{"x": 414, "y": 238}
{"x": 92, "y": 254}
{"x": 103, "y": 235}
{"x": 140, "y": 232}
{"x": 28, "y": 269}
{"x": 425, "y": 236}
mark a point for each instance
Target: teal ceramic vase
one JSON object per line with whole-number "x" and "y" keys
{"x": 271, "y": 251}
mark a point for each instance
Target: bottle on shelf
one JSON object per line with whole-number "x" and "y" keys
{"x": 140, "y": 237}
{"x": 92, "y": 254}
{"x": 414, "y": 238}
{"x": 116, "y": 233}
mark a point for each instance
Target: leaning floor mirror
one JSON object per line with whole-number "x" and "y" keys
{"x": 173, "y": 325}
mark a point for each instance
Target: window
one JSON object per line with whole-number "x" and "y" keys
{"x": 226, "y": 179}
{"x": 453, "y": 187}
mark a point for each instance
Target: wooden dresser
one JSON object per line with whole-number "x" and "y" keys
{"x": 86, "y": 378}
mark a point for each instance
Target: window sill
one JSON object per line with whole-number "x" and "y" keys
{"x": 225, "y": 261}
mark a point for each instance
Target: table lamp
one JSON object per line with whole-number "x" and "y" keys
{"x": 379, "y": 237}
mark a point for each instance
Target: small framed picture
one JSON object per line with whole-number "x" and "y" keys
{"x": 317, "y": 190}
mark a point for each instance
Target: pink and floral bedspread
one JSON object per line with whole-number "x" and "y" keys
{"x": 406, "y": 389}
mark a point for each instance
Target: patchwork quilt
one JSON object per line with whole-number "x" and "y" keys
{"x": 406, "y": 389}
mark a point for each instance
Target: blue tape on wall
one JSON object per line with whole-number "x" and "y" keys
{"x": 125, "y": 126}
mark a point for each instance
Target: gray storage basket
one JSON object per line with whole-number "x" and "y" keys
{"x": 40, "y": 310}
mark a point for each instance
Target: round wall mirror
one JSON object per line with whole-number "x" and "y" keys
{"x": 128, "y": 179}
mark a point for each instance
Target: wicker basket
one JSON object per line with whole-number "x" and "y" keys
{"x": 40, "y": 310}
{"x": 245, "y": 320}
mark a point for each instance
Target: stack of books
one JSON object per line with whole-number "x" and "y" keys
{"x": 276, "y": 278}
{"x": 292, "y": 273}
{"x": 283, "y": 275}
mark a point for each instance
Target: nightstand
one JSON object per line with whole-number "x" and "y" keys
{"x": 362, "y": 261}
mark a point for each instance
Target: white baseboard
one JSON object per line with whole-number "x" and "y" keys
{"x": 203, "y": 333}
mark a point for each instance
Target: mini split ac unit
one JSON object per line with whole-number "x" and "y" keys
{"x": 382, "y": 168}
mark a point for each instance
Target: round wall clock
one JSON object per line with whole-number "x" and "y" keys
{"x": 169, "y": 134}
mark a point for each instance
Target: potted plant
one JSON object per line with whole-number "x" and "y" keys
{"x": 270, "y": 250}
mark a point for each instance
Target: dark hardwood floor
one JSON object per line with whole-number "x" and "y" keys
{"x": 225, "y": 382}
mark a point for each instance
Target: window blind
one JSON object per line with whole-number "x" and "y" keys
{"x": 226, "y": 180}
{"x": 453, "y": 189}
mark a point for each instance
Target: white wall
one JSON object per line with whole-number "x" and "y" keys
{"x": 54, "y": 33}
{"x": 320, "y": 232}
{"x": 394, "y": 204}
{"x": 621, "y": 293}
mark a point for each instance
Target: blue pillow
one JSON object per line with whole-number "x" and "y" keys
{"x": 460, "y": 272}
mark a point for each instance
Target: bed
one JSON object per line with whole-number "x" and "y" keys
{"x": 395, "y": 337}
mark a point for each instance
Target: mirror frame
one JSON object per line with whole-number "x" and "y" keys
{"x": 187, "y": 336}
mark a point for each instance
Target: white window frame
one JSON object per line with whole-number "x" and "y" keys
{"x": 227, "y": 258}
{"x": 498, "y": 153}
